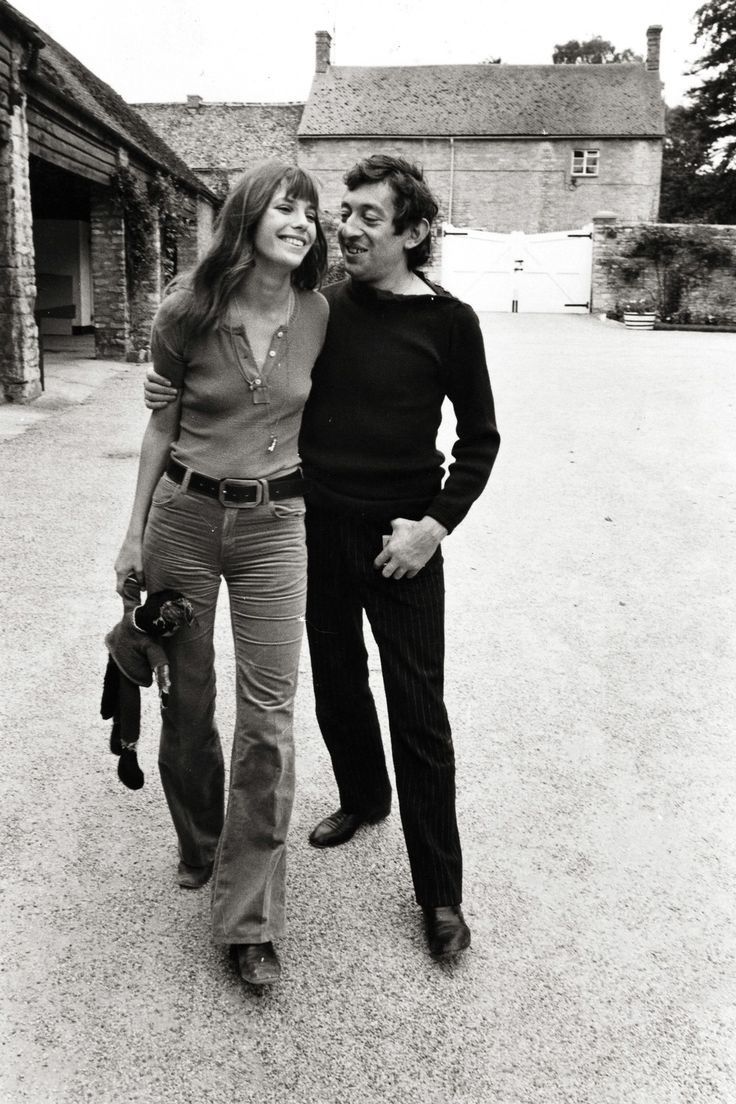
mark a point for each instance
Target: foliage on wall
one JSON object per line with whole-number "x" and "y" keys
{"x": 129, "y": 197}
{"x": 173, "y": 220}
{"x": 142, "y": 206}
{"x": 665, "y": 264}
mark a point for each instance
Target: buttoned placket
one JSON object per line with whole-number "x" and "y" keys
{"x": 257, "y": 383}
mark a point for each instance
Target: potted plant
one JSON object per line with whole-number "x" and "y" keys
{"x": 639, "y": 314}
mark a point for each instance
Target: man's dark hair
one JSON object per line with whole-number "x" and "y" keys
{"x": 413, "y": 200}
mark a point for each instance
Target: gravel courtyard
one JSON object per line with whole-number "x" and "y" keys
{"x": 590, "y": 681}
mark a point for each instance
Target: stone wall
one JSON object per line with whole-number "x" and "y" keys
{"x": 191, "y": 240}
{"x": 144, "y": 299}
{"x": 489, "y": 184}
{"x": 205, "y": 224}
{"x": 111, "y": 308}
{"x": 714, "y": 295}
{"x": 20, "y": 370}
{"x": 504, "y": 184}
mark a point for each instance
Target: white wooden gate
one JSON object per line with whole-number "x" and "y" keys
{"x": 524, "y": 273}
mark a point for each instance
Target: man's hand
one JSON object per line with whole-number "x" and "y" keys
{"x": 157, "y": 390}
{"x": 410, "y": 546}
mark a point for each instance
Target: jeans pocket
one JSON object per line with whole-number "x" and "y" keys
{"x": 165, "y": 491}
{"x": 293, "y": 508}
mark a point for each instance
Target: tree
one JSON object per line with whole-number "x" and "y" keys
{"x": 699, "y": 162}
{"x": 684, "y": 157}
{"x": 692, "y": 189}
{"x": 714, "y": 100}
{"x": 593, "y": 51}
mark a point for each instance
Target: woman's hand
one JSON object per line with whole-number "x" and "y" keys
{"x": 130, "y": 562}
{"x": 162, "y": 429}
{"x": 157, "y": 390}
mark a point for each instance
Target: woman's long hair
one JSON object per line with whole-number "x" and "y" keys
{"x": 231, "y": 252}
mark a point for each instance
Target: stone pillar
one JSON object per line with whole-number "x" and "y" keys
{"x": 111, "y": 309}
{"x": 603, "y": 297}
{"x": 20, "y": 372}
{"x": 144, "y": 300}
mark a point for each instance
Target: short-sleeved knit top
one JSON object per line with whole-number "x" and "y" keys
{"x": 239, "y": 419}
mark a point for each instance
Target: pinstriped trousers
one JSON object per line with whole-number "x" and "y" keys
{"x": 406, "y": 617}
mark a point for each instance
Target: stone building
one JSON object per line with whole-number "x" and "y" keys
{"x": 531, "y": 148}
{"x": 89, "y": 194}
{"x": 520, "y": 157}
{"x": 219, "y": 140}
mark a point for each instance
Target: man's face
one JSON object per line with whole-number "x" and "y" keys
{"x": 373, "y": 252}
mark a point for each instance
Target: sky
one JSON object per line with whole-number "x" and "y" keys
{"x": 263, "y": 50}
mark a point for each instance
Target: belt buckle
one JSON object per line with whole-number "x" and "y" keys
{"x": 223, "y": 488}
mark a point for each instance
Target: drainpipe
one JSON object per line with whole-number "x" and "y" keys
{"x": 452, "y": 179}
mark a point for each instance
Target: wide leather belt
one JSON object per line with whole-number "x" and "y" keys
{"x": 238, "y": 492}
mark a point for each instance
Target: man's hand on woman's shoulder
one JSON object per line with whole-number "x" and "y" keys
{"x": 157, "y": 390}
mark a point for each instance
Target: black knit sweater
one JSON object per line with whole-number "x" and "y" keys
{"x": 368, "y": 439}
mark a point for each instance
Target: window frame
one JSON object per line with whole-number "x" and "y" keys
{"x": 589, "y": 159}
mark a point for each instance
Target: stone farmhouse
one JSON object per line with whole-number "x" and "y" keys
{"x": 529, "y": 148}
{"x": 521, "y": 157}
{"x": 75, "y": 161}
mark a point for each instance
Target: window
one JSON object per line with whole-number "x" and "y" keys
{"x": 585, "y": 162}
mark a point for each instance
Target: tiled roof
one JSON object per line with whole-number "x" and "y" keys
{"x": 83, "y": 90}
{"x": 468, "y": 100}
{"x": 226, "y": 135}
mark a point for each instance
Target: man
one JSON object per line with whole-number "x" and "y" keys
{"x": 396, "y": 347}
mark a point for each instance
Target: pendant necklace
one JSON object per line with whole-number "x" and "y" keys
{"x": 258, "y": 384}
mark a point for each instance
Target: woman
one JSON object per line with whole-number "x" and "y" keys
{"x": 219, "y": 495}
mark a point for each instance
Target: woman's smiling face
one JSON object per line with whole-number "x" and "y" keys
{"x": 286, "y": 231}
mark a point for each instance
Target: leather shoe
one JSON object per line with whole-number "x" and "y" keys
{"x": 258, "y": 963}
{"x": 447, "y": 932}
{"x": 341, "y": 826}
{"x": 193, "y": 877}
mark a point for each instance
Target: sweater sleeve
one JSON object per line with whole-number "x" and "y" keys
{"x": 477, "y": 438}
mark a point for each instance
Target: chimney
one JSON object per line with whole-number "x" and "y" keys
{"x": 654, "y": 34}
{"x": 324, "y": 41}
{"x": 194, "y": 101}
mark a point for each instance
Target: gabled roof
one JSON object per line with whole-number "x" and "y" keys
{"x": 485, "y": 100}
{"x": 226, "y": 135}
{"x": 65, "y": 76}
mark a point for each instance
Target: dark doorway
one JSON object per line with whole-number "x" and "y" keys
{"x": 60, "y": 204}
